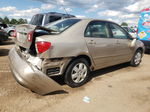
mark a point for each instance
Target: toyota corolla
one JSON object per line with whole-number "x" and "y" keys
{"x": 72, "y": 48}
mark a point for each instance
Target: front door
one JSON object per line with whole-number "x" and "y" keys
{"x": 123, "y": 43}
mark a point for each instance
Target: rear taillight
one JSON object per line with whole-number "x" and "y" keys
{"x": 29, "y": 36}
{"x": 42, "y": 46}
{"x": 14, "y": 34}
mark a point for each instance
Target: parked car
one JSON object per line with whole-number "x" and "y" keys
{"x": 72, "y": 48}
{"x": 45, "y": 18}
{"x": 9, "y": 29}
{"x": 130, "y": 31}
{"x": 3, "y": 35}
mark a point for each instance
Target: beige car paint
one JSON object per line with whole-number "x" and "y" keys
{"x": 70, "y": 44}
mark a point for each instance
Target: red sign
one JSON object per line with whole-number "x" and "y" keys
{"x": 147, "y": 9}
{"x": 146, "y": 24}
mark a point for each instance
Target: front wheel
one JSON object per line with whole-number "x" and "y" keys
{"x": 136, "y": 60}
{"x": 77, "y": 73}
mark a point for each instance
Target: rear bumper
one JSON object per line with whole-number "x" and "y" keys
{"x": 146, "y": 44}
{"x": 29, "y": 76}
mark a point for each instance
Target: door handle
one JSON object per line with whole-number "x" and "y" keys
{"x": 91, "y": 42}
{"x": 118, "y": 42}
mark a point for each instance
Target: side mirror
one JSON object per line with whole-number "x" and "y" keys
{"x": 131, "y": 37}
{"x": 133, "y": 42}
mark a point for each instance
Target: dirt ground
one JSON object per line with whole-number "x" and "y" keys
{"x": 119, "y": 88}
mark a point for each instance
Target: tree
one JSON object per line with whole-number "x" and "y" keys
{"x": 1, "y": 20}
{"x": 25, "y": 20}
{"x": 22, "y": 21}
{"x": 124, "y": 24}
{"x": 13, "y": 21}
{"x": 6, "y": 20}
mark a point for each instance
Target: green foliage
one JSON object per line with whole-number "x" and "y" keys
{"x": 13, "y": 21}
{"x": 1, "y": 20}
{"x": 124, "y": 24}
{"x": 21, "y": 21}
{"x": 6, "y": 20}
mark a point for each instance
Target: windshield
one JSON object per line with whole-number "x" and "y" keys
{"x": 37, "y": 20}
{"x": 61, "y": 25}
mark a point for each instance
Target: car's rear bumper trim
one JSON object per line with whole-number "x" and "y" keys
{"x": 29, "y": 76}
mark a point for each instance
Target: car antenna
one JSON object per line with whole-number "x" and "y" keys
{"x": 62, "y": 5}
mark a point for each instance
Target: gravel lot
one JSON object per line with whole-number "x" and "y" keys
{"x": 115, "y": 89}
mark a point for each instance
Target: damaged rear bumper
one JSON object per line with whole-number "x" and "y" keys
{"x": 29, "y": 76}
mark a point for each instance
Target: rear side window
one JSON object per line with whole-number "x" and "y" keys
{"x": 97, "y": 29}
{"x": 117, "y": 32}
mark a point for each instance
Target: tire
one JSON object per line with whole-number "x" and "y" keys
{"x": 137, "y": 58}
{"x": 10, "y": 33}
{"x": 77, "y": 73}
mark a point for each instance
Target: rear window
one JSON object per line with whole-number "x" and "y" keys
{"x": 61, "y": 25}
{"x": 37, "y": 20}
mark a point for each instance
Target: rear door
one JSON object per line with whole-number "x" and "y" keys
{"x": 100, "y": 46}
{"x": 122, "y": 45}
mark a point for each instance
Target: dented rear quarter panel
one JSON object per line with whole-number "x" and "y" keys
{"x": 70, "y": 43}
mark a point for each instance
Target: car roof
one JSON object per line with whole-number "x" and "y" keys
{"x": 92, "y": 19}
{"x": 56, "y": 13}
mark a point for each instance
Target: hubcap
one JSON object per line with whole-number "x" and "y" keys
{"x": 79, "y": 72}
{"x": 137, "y": 59}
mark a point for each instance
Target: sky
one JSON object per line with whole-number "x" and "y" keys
{"x": 115, "y": 10}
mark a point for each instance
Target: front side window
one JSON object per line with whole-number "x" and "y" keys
{"x": 117, "y": 32}
{"x": 129, "y": 30}
{"x": 96, "y": 29}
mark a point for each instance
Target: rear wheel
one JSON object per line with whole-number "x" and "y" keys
{"x": 136, "y": 60}
{"x": 77, "y": 73}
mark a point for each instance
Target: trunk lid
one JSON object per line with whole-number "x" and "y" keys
{"x": 26, "y": 35}
{"x": 22, "y": 35}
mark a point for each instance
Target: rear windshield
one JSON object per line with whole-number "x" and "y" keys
{"x": 61, "y": 25}
{"x": 37, "y": 20}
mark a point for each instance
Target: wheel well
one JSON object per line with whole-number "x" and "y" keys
{"x": 141, "y": 49}
{"x": 80, "y": 56}
{"x": 11, "y": 31}
{"x": 85, "y": 57}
